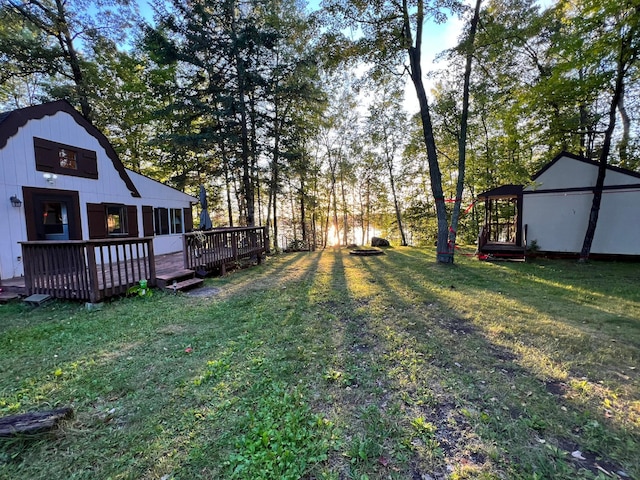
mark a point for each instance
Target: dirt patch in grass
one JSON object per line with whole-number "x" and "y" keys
{"x": 556, "y": 388}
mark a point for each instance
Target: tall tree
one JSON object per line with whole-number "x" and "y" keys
{"x": 615, "y": 48}
{"x": 56, "y": 29}
{"x": 386, "y": 118}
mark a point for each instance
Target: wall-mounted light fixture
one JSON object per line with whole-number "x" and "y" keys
{"x": 15, "y": 201}
{"x": 50, "y": 178}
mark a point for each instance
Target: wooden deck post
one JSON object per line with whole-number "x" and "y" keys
{"x": 151, "y": 258}
{"x": 94, "y": 289}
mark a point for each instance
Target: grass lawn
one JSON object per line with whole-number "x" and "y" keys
{"x": 332, "y": 366}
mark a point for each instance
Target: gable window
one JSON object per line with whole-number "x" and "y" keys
{"x": 67, "y": 159}
{"x": 116, "y": 220}
{"x": 61, "y": 159}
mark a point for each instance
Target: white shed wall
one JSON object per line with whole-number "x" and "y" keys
{"x": 557, "y": 221}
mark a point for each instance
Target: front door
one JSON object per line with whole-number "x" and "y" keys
{"x": 52, "y": 214}
{"x": 54, "y": 220}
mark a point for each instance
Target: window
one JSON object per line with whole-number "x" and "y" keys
{"x": 116, "y": 220}
{"x": 52, "y": 217}
{"x": 161, "y": 221}
{"x": 107, "y": 220}
{"x": 176, "y": 220}
{"x": 58, "y": 158}
{"x": 67, "y": 159}
{"x": 168, "y": 220}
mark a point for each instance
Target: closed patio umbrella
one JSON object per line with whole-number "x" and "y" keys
{"x": 205, "y": 219}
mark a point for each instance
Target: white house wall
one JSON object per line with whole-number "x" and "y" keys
{"x": 156, "y": 194}
{"x": 18, "y": 169}
{"x": 557, "y": 220}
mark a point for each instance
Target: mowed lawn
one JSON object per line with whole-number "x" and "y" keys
{"x": 333, "y": 366}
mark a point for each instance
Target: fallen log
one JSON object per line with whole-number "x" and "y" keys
{"x": 32, "y": 422}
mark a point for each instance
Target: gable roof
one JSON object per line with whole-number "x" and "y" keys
{"x": 11, "y": 122}
{"x": 504, "y": 191}
{"x": 583, "y": 160}
{"x": 147, "y": 184}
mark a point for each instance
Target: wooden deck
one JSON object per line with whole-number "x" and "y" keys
{"x": 165, "y": 265}
{"x": 94, "y": 270}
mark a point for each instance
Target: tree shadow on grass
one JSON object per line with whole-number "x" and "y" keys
{"x": 466, "y": 354}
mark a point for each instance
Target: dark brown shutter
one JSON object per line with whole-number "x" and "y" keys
{"x": 87, "y": 162}
{"x": 97, "y": 220}
{"x": 147, "y": 221}
{"x": 132, "y": 220}
{"x": 46, "y": 155}
{"x": 188, "y": 219}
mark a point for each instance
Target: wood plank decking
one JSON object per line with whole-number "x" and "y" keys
{"x": 165, "y": 265}
{"x": 94, "y": 270}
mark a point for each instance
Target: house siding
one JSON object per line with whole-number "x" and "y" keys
{"x": 113, "y": 185}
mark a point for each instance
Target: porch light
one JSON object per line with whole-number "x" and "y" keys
{"x": 50, "y": 178}
{"x": 15, "y": 201}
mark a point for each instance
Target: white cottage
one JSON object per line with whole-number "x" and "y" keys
{"x": 553, "y": 211}
{"x": 62, "y": 180}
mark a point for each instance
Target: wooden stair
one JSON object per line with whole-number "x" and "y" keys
{"x": 178, "y": 281}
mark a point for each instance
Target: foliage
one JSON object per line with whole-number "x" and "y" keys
{"x": 140, "y": 290}
{"x": 283, "y": 437}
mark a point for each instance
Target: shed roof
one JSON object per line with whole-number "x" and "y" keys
{"x": 583, "y": 160}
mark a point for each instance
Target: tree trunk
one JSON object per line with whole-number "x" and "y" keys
{"x": 602, "y": 167}
{"x": 241, "y": 76}
{"x": 345, "y": 211}
{"x": 227, "y": 180}
{"x": 462, "y": 139}
{"x": 435, "y": 175}
{"x": 442, "y": 250}
{"x": 303, "y": 219}
{"x": 395, "y": 203}
{"x": 626, "y": 131}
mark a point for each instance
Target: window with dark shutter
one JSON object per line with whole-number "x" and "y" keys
{"x": 64, "y": 159}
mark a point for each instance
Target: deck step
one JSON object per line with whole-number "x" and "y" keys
{"x": 167, "y": 279}
{"x": 8, "y": 296}
{"x": 184, "y": 284}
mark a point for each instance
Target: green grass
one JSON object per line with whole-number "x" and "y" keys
{"x": 333, "y": 366}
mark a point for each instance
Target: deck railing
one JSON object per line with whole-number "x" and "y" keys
{"x": 89, "y": 270}
{"x": 222, "y": 246}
